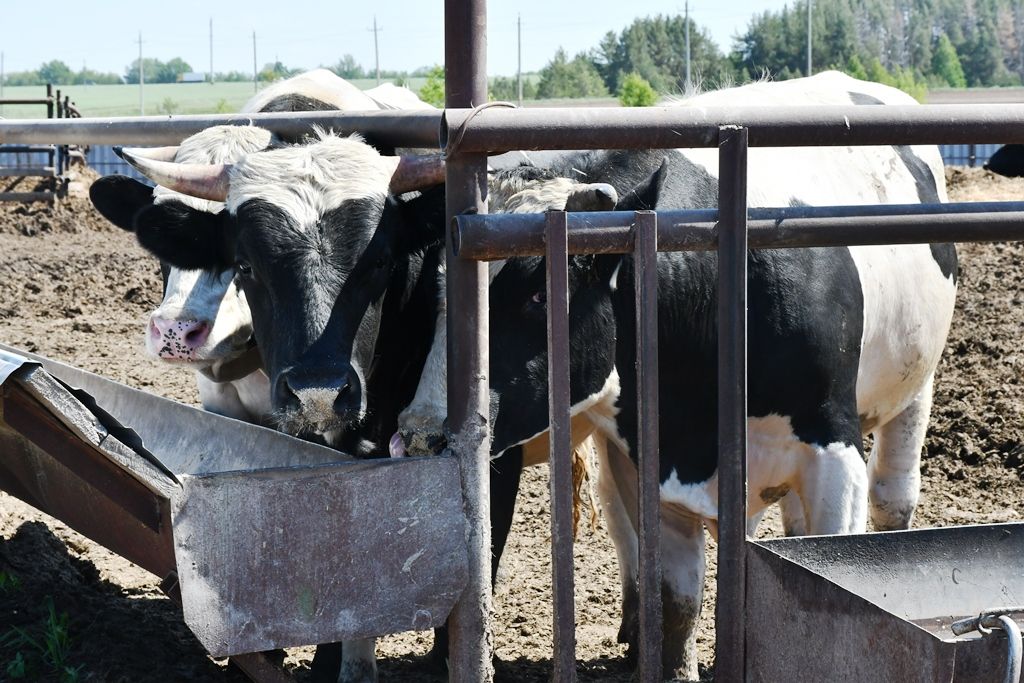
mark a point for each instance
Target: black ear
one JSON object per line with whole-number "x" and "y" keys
{"x": 645, "y": 195}
{"x": 423, "y": 220}
{"x": 185, "y": 237}
{"x": 118, "y": 198}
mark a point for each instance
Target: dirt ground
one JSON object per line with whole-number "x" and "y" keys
{"x": 74, "y": 288}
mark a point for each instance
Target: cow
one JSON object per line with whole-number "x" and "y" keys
{"x": 1007, "y": 161}
{"x": 203, "y": 321}
{"x": 843, "y": 341}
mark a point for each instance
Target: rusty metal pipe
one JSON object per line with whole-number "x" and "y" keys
{"x": 500, "y": 130}
{"x": 506, "y": 235}
{"x": 417, "y": 128}
{"x": 471, "y": 647}
{"x": 730, "y": 602}
{"x": 645, "y": 292}
{"x": 560, "y": 457}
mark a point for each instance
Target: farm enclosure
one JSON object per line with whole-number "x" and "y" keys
{"x": 74, "y": 288}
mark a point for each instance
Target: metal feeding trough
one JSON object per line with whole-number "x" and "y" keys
{"x": 270, "y": 541}
{"x": 884, "y": 606}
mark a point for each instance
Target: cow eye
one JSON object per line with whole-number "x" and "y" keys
{"x": 540, "y": 298}
{"x": 243, "y": 268}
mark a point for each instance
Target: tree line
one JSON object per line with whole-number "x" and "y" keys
{"x": 912, "y": 44}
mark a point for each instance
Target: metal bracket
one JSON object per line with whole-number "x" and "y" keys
{"x": 996, "y": 619}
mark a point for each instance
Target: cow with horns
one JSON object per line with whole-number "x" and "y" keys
{"x": 843, "y": 341}
{"x": 203, "y": 321}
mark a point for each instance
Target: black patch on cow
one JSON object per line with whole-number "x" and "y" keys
{"x": 645, "y": 195}
{"x": 927, "y": 192}
{"x": 860, "y": 98}
{"x": 185, "y": 237}
{"x": 1007, "y": 161}
{"x": 119, "y": 198}
{"x": 945, "y": 256}
{"x": 296, "y": 102}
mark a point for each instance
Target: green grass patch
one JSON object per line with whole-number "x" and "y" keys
{"x": 41, "y": 651}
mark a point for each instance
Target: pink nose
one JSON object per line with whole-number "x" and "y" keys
{"x": 178, "y": 338}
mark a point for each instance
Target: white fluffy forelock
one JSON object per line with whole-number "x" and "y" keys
{"x": 307, "y": 181}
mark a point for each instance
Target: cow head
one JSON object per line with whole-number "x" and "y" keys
{"x": 518, "y": 332}
{"x": 314, "y": 233}
{"x": 203, "y": 318}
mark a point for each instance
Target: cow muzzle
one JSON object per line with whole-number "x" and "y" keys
{"x": 317, "y": 400}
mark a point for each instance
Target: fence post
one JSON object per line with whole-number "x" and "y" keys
{"x": 730, "y": 641}
{"x": 470, "y": 641}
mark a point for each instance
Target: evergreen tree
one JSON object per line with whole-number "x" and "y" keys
{"x": 946, "y": 63}
{"x": 565, "y": 78}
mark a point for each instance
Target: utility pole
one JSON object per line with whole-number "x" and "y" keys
{"x": 211, "y": 50}
{"x": 1, "y": 81}
{"x": 519, "y": 64}
{"x": 376, "y": 52}
{"x": 255, "y": 73}
{"x": 810, "y": 4}
{"x": 689, "y": 80}
{"x": 142, "y": 81}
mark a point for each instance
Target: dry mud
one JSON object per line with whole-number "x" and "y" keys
{"x": 76, "y": 289}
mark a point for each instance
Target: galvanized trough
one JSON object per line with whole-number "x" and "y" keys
{"x": 271, "y": 541}
{"x": 880, "y": 607}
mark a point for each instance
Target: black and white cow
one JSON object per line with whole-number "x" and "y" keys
{"x": 203, "y": 321}
{"x": 843, "y": 341}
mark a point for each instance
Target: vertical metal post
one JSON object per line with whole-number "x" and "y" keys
{"x": 645, "y": 286}
{"x": 560, "y": 451}
{"x": 468, "y": 391}
{"x": 142, "y": 80}
{"x": 730, "y": 645}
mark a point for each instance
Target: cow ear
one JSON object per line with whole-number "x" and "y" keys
{"x": 645, "y": 195}
{"x": 119, "y": 198}
{"x": 185, "y": 237}
{"x": 423, "y": 219}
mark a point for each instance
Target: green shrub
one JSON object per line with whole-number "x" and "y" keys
{"x": 636, "y": 92}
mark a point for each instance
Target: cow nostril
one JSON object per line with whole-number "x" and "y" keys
{"x": 197, "y": 334}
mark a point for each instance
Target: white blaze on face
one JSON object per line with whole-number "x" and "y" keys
{"x": 200, "y": 296}
{"x": 203, "y": 301}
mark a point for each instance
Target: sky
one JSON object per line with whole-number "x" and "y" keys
{"x": 103, "y": 34}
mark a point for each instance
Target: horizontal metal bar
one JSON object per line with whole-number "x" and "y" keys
{"x": 29, "y": 101}
{"x": 398, "y": 128}
{"x": 500, "y": 129}
{"x": 497, "y": 236}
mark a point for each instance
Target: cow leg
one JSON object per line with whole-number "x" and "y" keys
{"x": 793, "y": 521}
{"x": 833, "y": 488}
{"x": 894, "y": 466}
{"x": 506, "y": 472}
{"x": 616, "y": 487}
{"x": 682, "y": 590}
{"x": 358, "y": 661}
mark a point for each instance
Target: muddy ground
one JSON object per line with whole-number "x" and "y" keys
{"x": 74, "y": 288}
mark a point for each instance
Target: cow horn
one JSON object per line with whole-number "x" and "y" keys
{"x": 151, "y": 153}
{"x": 417, "y": 172}
{"x": 204, "y": 181}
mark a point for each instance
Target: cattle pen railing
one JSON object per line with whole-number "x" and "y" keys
{"x": 467, "y": 134}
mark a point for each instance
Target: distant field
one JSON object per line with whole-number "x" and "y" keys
{"x": 176, "y": 98}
